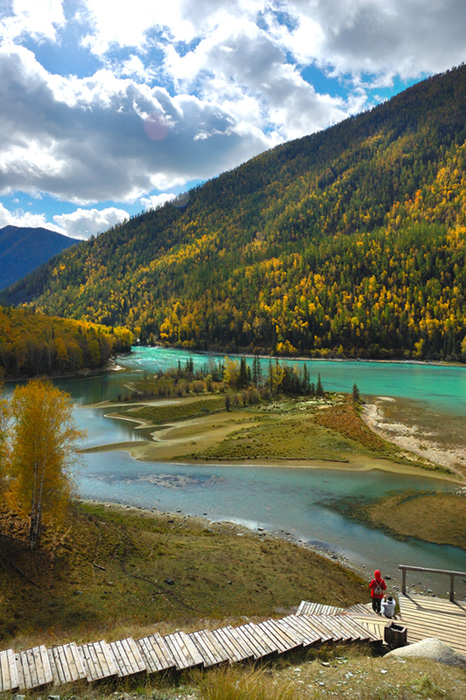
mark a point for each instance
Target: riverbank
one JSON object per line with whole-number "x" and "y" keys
{"x": 414, "y": 427}
{"x": 121, "y": 571}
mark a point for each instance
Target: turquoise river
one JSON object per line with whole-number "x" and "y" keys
{"x": 294, "y": 503}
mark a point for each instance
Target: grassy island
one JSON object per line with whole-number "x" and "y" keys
{"x": 226, "y": 413}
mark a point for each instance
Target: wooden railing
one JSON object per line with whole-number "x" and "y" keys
{"x": 404, "y": 569}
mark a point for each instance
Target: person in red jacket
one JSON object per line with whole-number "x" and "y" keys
{"x": 377, "y": 586}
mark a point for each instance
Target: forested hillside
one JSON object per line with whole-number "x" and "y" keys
{"x": 349, "y": 242}
{"x": 33, "y": 344}
{"x": 24, "y": 249}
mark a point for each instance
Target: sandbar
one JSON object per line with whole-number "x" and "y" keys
{"x": 176, "y": 442}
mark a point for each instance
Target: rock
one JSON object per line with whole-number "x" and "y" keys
{"x": 433, "y": 649}
{"x": 169, "y": 582}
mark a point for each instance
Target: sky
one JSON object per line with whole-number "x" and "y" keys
{"x": 108, "y": 109}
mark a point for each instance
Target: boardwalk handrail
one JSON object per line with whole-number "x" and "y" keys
{"x": 404, "y": 568}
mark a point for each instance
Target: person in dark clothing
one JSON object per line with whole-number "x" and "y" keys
{"x": 377, "y": 586}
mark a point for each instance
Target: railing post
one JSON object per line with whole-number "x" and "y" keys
{"x": 403, "y": 581}
{"x": 452, "y": 587}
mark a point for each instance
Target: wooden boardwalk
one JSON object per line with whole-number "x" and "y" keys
{"x": 313, "y": 624}
{"x": 434, "y": 617}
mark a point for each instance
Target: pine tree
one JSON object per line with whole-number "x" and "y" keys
{"x": 319, "y": 387}
{"x": 243, "y": 374}
{"x": 256, "y": 372}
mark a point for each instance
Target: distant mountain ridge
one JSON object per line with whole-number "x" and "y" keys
{"x": 349, "y": 242}
{"x": 22, "y": 250}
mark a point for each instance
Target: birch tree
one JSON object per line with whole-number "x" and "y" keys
{"x": 4, "y": 446}
{"x": 43, "y": 436}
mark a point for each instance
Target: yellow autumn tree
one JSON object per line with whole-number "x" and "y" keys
{"x": 4, "y": 447}
{"x": 42, "y": 451}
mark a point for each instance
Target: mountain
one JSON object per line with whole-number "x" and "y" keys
{"x": 349, "y": 242}
{"x": 24, "y": 249}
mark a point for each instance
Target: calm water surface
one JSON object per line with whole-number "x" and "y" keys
{"x": 293, "y": 501}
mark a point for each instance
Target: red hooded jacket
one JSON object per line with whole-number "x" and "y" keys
{"x": 377, "y": 583}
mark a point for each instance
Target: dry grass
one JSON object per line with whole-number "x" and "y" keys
{"x": 122, "y": 572}
{"x": 341, "y": 672}
{"x": 233, "y": 683}
{"x": 352, "y": 672}
{"x": 435, "y": 517}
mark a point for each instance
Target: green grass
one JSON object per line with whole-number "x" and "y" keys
{"x": 159, "y": 415}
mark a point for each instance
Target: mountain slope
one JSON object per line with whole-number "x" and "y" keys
{"x": 350, "y": 241}
{"x": 22, "y": 250}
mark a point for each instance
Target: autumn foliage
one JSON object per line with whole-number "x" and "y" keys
{"x": 34, "y": 344}
{"x": 38, "y": 452}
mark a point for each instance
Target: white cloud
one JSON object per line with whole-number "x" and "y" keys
{"x": 189, "y": 89}
{"x": 156, "y": 200}
{"x": 83, "y": 140}
{"x": 392, "y": 37}
{"x": 84, "y": 223}
{"x": 26, "y": 220}
{"x": 39, "y": 20}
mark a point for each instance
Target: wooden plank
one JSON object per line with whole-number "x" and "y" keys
{"x": 228, "y": 639}
{"x": 217, "y": 651}
{"x": 338, "y": 630}
{"x": 355, "y": 632}
{"x": 425, "y": 617}
{"x": 257, "y": 640}
{"x": 315, "y": 632}
{"x": 98, "y": 661}
{"x": 156, "y": 655}
{"x": 308, "y": 608}
{"x": 66, "y": 664}
{"x": 365, "y": 633}
{"x": 360, "y": 609}
{"x": 33, "y": 668}
{"x": 325, "y": 633}
{"x": 183, "y": 651}
{"x": 375, "y": 624}
{"x": 416, "y": 602}
{"x": 434, "y": 622}
{"x": 297, "y": 624}
{"x": 127, "y": 657}
{"x": 247, "y": 642}
{"x": 304, "y": 605}
{"x": 9, "y": 671}
{"x": 212, "y": 653}
{"x": 280, "y": 638}
{"x": 59, "y": 671}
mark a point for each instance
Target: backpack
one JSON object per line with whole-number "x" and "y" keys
{"x": 378, "y": 590}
